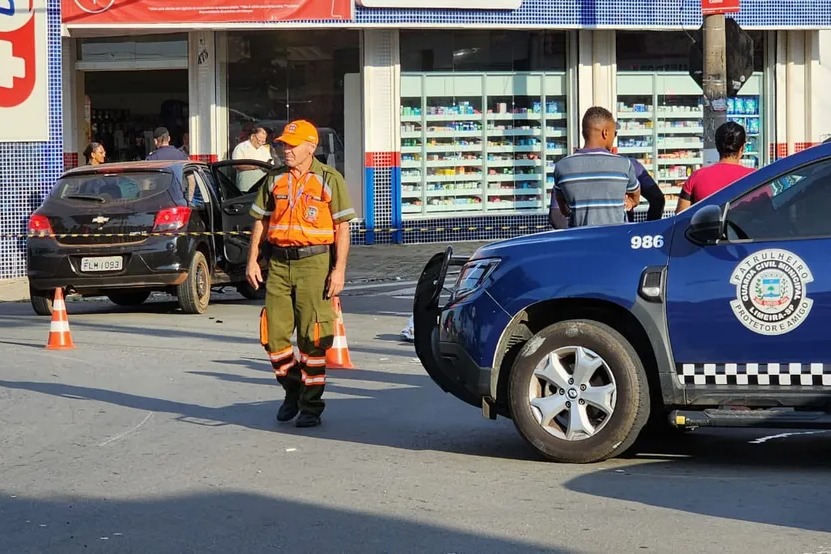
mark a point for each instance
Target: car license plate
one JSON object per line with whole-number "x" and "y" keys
{"x": 109, "y": 263}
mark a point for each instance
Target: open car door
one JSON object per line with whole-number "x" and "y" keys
{"x": 239, "y": 182}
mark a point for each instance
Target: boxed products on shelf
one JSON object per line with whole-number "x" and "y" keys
{"x": 464, "y": 186}
{"x": 636, "y": 125}
{"x": 464, "y": 126}
{"x": 743, "y": 106}
{"x": 634, "y": 108}
{"x": 478, "y": 148}
{"x": 640, "y": 142}
{"x": 750, "y": 123}
{"x": 676, "y": 172}
{"x": 410, "y": 111}
{"x": 661, "y": 124}
{"x": 680, "y": 124}
{"x": 462, "y": 108}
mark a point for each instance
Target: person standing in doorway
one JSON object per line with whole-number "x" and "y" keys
{"x": 730, "y": 141}
{"x": 255, "y": 148}
{"x": 164, "y": 150}
{"x": 594, "y": 186}
{"x": 95, "y": 153}
{"x": 308, "y": 211}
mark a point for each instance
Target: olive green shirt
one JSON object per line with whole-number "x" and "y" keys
{"x": 340, "y": 206}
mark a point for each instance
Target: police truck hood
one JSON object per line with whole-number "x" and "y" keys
{"x": 591, "y": 262}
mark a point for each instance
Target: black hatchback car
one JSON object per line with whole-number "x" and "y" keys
{"x": 124, "y": 230}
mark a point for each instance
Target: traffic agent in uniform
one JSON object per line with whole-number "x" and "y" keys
{"x": 304, "y": 213}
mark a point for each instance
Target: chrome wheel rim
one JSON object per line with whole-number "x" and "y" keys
{"x": 572, "y": 393}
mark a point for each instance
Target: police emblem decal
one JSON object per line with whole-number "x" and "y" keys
{"x": 770, "y": 292}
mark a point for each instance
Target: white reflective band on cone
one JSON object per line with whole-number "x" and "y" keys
{"x": 58, "y": 305}
{"x": 339, "y": 342}
{"x": 59, "y": 327}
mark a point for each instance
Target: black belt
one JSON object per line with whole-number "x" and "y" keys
{"x": 297, "y": 252}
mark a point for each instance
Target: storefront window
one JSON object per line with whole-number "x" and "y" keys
{"x": 146, "y": 48}
{"x": 126, "y": 106}
{"x": 483, "y": 120}
{"x": 659, "y": 107}
{"x": 278, "y": 76}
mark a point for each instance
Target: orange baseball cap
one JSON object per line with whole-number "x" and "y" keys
{"x": 298, "y": 132}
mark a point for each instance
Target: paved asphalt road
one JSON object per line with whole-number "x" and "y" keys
{"x": 157, "y": 434}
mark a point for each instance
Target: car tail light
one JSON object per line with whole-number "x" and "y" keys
{"x": 171, "y": 219}
{"x": 39, "y": 226}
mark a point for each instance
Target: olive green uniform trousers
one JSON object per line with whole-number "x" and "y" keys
{"x": 296, "y": 299}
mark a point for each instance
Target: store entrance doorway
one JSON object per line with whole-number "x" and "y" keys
{"x": 124, "y": 107}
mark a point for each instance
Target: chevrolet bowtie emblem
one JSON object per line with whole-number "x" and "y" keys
{"x": 101, "y": 220}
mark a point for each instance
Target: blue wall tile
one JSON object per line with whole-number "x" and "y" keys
{"x": 29, "y": 169}
{"x": 616, "y": 13}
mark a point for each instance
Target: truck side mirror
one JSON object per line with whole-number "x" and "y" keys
{"x": 706, "y": 226}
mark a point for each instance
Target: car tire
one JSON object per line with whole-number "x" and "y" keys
{"x": 618, "y": 384}
{"x": 129, "y": 298}
{"x": 41, "y": 301}
{"x": 195, "y": 292}
{"x": 248, "y": 292}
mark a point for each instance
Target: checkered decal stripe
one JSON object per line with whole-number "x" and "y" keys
{"x": 791, "y": 374}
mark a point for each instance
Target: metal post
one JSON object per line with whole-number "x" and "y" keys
{"x": 714, "y": 83}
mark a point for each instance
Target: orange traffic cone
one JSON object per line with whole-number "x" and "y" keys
{"x": 337, "y": 357}
{"x": 59, "y": 336}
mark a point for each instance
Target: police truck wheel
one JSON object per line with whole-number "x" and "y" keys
{"x": 195, "y": 293}
{"x": 578, "y": 392}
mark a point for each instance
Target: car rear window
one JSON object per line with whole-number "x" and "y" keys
{"x": 113, "y": 187}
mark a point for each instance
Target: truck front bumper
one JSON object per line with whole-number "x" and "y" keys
{"x": 447, "y": 362}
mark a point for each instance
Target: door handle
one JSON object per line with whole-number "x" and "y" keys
{"x": 233, "y": 210}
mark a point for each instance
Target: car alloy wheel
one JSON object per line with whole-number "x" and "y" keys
{"x": 572, "y": 393}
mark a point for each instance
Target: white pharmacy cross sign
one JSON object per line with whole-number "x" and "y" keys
{"x": 24, "y": 85}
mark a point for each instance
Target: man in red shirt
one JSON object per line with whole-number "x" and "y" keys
{"x": 730, "y": 141}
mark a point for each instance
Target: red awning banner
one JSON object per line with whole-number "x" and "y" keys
{"x": 132, "y": 12}
{"x": 713, "y": 7}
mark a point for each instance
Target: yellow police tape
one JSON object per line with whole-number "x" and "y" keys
{"x": 245, "y": 233}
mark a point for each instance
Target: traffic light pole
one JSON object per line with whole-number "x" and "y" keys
{"x": 714, "y": 83}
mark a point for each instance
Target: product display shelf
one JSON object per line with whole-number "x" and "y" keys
{"x": 661, "y": 125}
{"x": 480, "y": 142}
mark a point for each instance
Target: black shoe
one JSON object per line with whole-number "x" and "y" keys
{"x": 287, "y": 411}
{"x": 307, "y": 419}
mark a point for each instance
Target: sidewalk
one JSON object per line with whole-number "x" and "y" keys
{"x": 383, "y": 262}
{"x": 390, "y": 262}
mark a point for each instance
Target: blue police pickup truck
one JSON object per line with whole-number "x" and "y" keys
{"x": 586, "y": 338}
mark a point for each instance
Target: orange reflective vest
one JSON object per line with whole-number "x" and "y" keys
{"x": 301, "y": 216}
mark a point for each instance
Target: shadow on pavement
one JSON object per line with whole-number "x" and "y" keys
{"x": 165, "y": 305}
{"x": 725, "y": 477}
{"x": 390, "y": 337}
{"x": 412, "y": 415}
{"x": 226, "y": 522}
{"x": 715, "y": 473}
{"x": 404, "y": 349}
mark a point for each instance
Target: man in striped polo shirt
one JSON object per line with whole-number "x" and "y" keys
{"x": 594, "y": 186}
